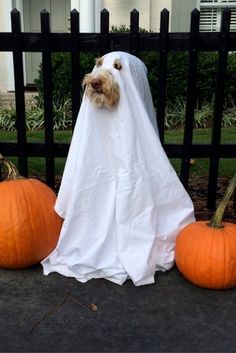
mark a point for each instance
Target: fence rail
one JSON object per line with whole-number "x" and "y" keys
{"x": 134, "y": 42}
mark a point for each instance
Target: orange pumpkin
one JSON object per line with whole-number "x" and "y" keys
{"x": 205, "y": 252}
{"x": 29, "y": 226}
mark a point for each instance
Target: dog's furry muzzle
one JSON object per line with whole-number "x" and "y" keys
{"x": 102, "y": 89}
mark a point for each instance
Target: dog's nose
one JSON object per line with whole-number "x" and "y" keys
{"x": 96, "y": 83}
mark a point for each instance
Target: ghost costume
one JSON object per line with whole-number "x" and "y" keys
{"x": 120, "y": 198}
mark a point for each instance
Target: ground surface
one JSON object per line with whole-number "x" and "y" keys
{"x": 59, "y": 314}
{"x": 198, "y": 193}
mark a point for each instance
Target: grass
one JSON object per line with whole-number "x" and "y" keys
{"x": 201, "y": 135}
{"x": 227, "y": 167}
{"x": 200, "y": 167}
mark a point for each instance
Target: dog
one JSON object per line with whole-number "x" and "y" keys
{"x": 101, "y": 87}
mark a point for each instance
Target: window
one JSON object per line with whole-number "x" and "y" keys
{"x": 211, "y": 11}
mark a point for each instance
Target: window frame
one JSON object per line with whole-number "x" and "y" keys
{"x": 218, "y": 6}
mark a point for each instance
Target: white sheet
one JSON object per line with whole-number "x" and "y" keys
{"x": 120, "y": 198}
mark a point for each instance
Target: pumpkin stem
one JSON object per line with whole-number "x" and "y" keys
{"x": 216, "y": 221}
{"x": 11, "y": 168}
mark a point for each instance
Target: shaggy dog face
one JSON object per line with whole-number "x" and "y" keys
{"x": 101, "y": 87}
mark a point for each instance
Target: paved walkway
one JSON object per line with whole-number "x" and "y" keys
{"x": 58, "y": 314}
{"x": 7, "y": 100}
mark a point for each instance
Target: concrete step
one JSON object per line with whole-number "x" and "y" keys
{"x": 7, "y": 100}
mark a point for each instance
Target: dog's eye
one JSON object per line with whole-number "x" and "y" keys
{"x": 117, "y": 64}
{"x": 99, "y": 62}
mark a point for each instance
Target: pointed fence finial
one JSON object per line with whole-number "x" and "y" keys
{"x": 15, "y": 21}
{"x": 74, "y": 11}
{"x": 44, "y": 12}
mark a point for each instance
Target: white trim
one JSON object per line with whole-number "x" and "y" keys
{"x": 211, "y": 13}
{"x": 87, "y": 15}
{"x": 98, "y": 9}
{"x": 6, "y": 61}
{"x": 218, "y": 5}
{"x": 74, "y": 4}
{"x": 198, "y": 4}
{"x": 18, "y": 4}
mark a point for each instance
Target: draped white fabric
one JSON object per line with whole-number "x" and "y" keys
{"x": 120, "y": 198}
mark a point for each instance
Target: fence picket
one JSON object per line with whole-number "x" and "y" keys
{"x": 134, "y": 32}
{"x": 161, "y": 97}
{"x": 48, "y": 98}
{"x": 75, "y": 66}
{"x": 104, "y": 35}
{"x": 19, "y": 92}
{"x": 218, "y": 108}
{"x": 191, "y": 96}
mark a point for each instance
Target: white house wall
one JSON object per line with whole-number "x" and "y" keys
{"x": 156, "y": 7}
{"x": 181, "y": 14}
{"x": 149, "y": 12}
{"x": 6, "y": 62}
{"x": 120, "y": 12}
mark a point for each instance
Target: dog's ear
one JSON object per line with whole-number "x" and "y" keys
{"x": 99, "y": 61}
{"x": 117, "y": 64}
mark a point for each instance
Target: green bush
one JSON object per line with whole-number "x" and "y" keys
{"x": 34, "y": 117}
{"x": 61, "y": 74}
{"x": 206, "y": 76}
{"x": 203, "y": 115}
{"x": 177, "y": 73}
{"x": 231, "y": 76}
{"x": 174, "y": 117}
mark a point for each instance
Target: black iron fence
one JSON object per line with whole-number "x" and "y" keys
{"x": 134, "y": 42}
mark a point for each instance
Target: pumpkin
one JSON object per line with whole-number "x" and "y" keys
{"x": 205, "y": 252}
{"x": 29, "y": 226}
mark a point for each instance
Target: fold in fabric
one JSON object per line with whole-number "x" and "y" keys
{"x": 120, "y": 198}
